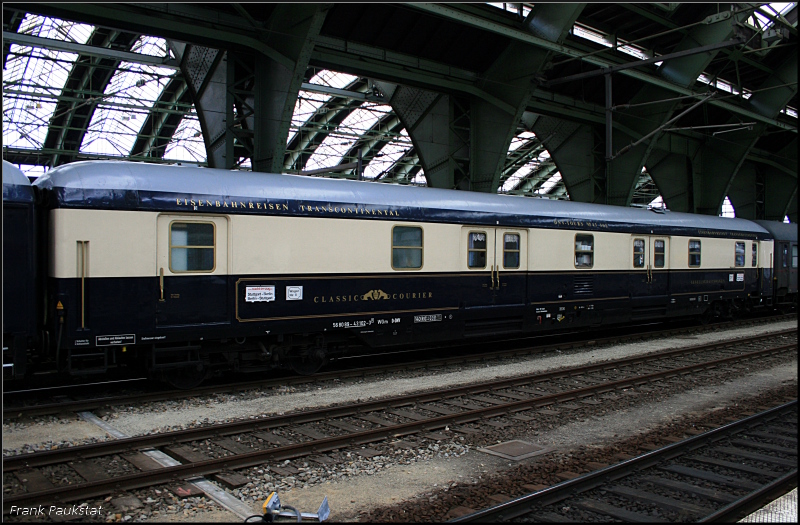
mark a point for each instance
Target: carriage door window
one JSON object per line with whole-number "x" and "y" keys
{"x": 406, "y": 248}
{"x": 739, "y": 255}
{"x": 584, "y": 251}
{"x": 755, "y": 254}
{"x": 659, "y": 253}
{"x": 794, "y": 256}
{"x": 476, "y": 250}
{"x": 638, "y": 253}
{"x": 191, "y": 247}
{"x": 511, "y": 250}
{"x": 694, "y": 253}
{"x": 785, "y": 255}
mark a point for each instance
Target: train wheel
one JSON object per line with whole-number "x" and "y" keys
{"x": 307, "y": 361}
{"x": 186, "y": 378}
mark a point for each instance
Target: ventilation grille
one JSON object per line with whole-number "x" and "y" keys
{"x": 583, "y": 286}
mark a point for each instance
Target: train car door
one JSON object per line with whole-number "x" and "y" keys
{"x": 650, "y": 283}
{"x": 498, "y": 259}
{"x": 192, "y": 270}
{"x": 511, "y": 266}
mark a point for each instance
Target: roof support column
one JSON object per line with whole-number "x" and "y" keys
{"x": 245, "y": 101}
{"x": 428, "y": 118}
{"x": 728, "y": 152}
{"x": 510, "y": 80}
{"x": 624, "y": 171}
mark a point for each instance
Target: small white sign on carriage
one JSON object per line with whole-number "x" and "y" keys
{"x": 256, "y": 294}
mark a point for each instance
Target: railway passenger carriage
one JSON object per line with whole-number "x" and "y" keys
{"x": 19, "y": 281}
{"x": 188, "y": 270}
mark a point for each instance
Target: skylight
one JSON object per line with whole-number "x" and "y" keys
{"x": 392, "y": 152}
{"x": 33, "y": 78}
{"x": 309, "y": 102}
{"x": 342, "y": 139}
{"x": 128, "y": 99}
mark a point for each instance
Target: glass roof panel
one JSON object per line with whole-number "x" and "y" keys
{"x": 308, "y": 102}
{"x": 128, "y": 99}
{"x": 187, "y": 141}
{"x": 549, "y": 184}
{"x": 388, "y": 156}
{"x": 339, "y": 141}
{"x": 521, "y": 139}
{"x": 32, "y": 79}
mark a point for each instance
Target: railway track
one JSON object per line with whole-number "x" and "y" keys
{"x": 13, "y": 409}
{"x": 312, "y": 434}
{"x": 720, "y": 475}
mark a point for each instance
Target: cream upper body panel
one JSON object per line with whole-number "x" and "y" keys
{"x": 120, "y": 243}
{"x": 126, "y": 243}
{"x": 292, "y": 245}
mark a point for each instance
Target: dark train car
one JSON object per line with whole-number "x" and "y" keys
{"x": 784, "y": 265}
{"x": 19, "y": 270}
{"x": 185, "y": 270}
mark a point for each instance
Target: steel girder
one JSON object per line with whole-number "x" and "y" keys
{"x": 245, "y": 101}
{"x": 624, "y": 171}
{"x": 725, "y": 154}
{"x": 512, "y": 79}
{"x": 463, "y": 143}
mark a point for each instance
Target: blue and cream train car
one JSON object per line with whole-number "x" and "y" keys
{"x": 19, "y": 278}
{"x": 784, "y": 271}
{"x": 187, "y": 269}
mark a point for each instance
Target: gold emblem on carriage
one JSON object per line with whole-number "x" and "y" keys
{"x": 374, "y": 295}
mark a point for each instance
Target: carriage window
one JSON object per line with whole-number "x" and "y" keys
{"x": 584, "y": 251}
{"x": 476, "y": 250}
{"x": 191, "y": 247}
{"x": 785, "y": 255}
{"x": 658, "y": 253}
{"x": 511, "y": 250}
{"x": 694, "y": 253}
{"x": 638, "y": 253}
{"x": 794, "y": 256}
{"x": 406, "y": 248}
{"x": 755, "y": 254}
{"x": 739, "y": 254}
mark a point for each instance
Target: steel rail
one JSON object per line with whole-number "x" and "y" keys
{"x": 150, "y": 478}
{"x": 93, "y": 404}
{"x": 117, "y": 446}
{"x": 524, "y": 504}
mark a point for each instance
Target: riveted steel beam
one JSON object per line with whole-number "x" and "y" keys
{"x": 637, "y": 63}
{"x": 359, "y": 59}
{"x": 454, "y": 13}
{"x": 86, "y": 50}
{"x": 183, "y": 22}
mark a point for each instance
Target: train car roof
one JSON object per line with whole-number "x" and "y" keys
{"x": 16, "y": 186}
{"x": 781, "y": 231}
{"x": 132, "y": 185}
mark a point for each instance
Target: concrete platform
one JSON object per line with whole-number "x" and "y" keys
{"x": 782, "y": 510}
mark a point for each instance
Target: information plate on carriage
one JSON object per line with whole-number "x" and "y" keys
{"x": 427, "y": 318}
{"x": 257, "y": 294}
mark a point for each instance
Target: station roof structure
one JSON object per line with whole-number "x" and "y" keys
{"x": 692, "y": 106}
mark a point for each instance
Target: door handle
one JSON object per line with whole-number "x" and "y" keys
{"x": 161, "y": 283}
{"x": 497, "y": 273}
